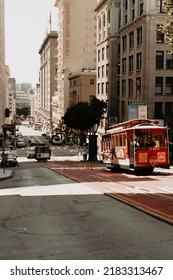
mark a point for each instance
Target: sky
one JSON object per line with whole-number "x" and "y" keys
{"x": 26, "y": 23}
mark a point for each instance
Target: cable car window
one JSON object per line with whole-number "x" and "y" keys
{"x": 121, "y": 140}
{"x": 117, "y": 144}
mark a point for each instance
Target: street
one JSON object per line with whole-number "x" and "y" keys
{"x": 45, "y": 215}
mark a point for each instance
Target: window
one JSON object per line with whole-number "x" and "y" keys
{"x": 124, "y": 43}
{"x": 107, "y": 69}
{"x": 159, "y": 85}
{"x": 138, "y": 85}
{"x": 103, "y": 71}
{"x": 133, "y": 14}
{"x": 109, "y": 16}
{"x": 107, "y": 87}
{"x": 159, "y": 59}
{"x": 104, "y": 26}
{"x": 158, "y": 110}
{"x": 123, "y": 87}
{"x": 124, "y": 65}
{"x": 91, "y": 81}
{"x": 131, "y": 40}
{"x": 130, "y": 87}
{"x": 124, "y": 140}
{"x": 130, "y": 63}
{"x": 139, "y": 36}
{"x": 139, "y": 61}
{"x": 98, "y": 89}
{"x": 100, "y": 26}
{"x": 126, "y": 4}
{"x": 123, "y": 109}
{"x": 108, "y": 20}
{"x": 159, "y": 35}
{"x": 74, "y": 83}
{"x": 103, "y": 54}
{"x": 169, "y": 61}
{"x": 102, "y": 88}
{"x": 98, "y": 55}
{"x": 107, "y": 51}
{"x": 98, "y": 72}
{"x": 169, "y": 85}
{"x": 141, "y": 8}
{"x": 168, "y": 108}
{"x": 120, "y": 140}
{"x": 125, "y": 19}
{"x": 161, "y": 6}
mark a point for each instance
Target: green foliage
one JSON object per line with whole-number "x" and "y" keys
{"x": 167, "y": 29}
{"x": 83, "y": 116}
{"x": 98, "y": 108}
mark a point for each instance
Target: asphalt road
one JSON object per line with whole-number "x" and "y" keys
{"x": 46, "y": 216}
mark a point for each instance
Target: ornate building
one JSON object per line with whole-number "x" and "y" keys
{"x": 108, "y": 12}
{"x": 2, "y": 64}
{"x": 76, "y": 47}
{"x": 146, "y": 76}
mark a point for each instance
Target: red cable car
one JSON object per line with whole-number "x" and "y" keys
{"x": 139, "y": 145}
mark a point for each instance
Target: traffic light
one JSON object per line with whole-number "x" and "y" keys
{"x": 7, "y": 113}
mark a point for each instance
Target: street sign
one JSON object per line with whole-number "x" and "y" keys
{"x": 137, "y": 103}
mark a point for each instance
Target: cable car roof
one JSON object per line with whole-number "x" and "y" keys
{"x": 146, "y": 126}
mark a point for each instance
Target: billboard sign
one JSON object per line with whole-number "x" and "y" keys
{"x": 137, "y": 110}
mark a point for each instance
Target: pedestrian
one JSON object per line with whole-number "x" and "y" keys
{"x": 85, "y": 152}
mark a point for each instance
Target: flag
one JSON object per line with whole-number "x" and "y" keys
{"x": 50, "y": 20}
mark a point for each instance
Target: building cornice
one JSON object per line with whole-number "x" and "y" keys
{"x": 100, "y": 5}
{"x": 51, "y": 35}
{"x": 78, "y": 75}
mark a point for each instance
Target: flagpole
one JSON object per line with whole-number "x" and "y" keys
{"x": 50, "y": 22}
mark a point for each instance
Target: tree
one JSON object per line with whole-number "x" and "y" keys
{"x": 168, "y": 28}
{"x": 86, "y": 118}
{"x": 78, "y": 116}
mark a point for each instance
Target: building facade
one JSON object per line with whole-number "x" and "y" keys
{"x": 76, "y": 45}
{"x": 7, "y": 75}
{"x": 11, "y": 96}
{"x": 146, "y": 75}
{"x": 22, "y": 103}
{"x": 2, "y": 65}
{"x": 108, "y": 18}
{"x": 82, "y": 87}
{"x": 48, "y": 69}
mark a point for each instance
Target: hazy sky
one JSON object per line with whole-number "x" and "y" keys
{"x": 26, "y": 22}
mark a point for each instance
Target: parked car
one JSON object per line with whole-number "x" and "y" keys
{"x": 9, "y": 160}
{"x": 31, "y": 152}
{"x": 32, "y": 142}
{"x": 19, "y": 134}
{"x": 20, "y": 142}
{"x": 57, "y": 139}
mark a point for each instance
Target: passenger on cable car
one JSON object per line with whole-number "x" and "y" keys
{"x": 136, "y": 142}
{"x": 155, "y": 144}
